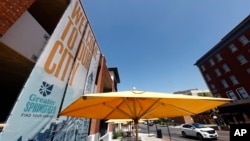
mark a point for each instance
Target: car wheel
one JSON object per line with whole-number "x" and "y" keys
{"x": 200, "y": 137}
{"x": 184, "y": 134}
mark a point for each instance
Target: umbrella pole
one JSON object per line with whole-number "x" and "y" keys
{"x": 148, "y": 127}
{"x": 136, "y": 129}
{"x": 169, "y": 132}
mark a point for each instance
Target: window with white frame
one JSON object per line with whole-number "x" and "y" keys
{"x": 234, "y": 80}
{"x": 211, "y": 61}
{"x": 203, "y": 68}
{"x": 232, "y": 48}
{"x": 243, "y": 39}
{"x": 218, "y": 57}
{"x": 242, "y": 93}
{"x": 207, "y": 77}
{"x": 241, "y": 59}
{"x": 217, "y": 71}
{"x": 231, "y": 95}
{"x": 224, "y": 83}
{"x": 225, "y": 68}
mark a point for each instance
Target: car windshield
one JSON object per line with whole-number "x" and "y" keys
{"x": 197, "y": 125}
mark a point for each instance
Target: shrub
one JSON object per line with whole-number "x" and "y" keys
{"x": 117, "y": 134}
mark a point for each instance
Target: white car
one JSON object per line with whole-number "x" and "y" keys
{"x": 198, "y": 130}
{"x": 150, "y": 123}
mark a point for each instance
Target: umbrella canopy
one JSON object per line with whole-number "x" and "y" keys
{"x": 137, "y": 105}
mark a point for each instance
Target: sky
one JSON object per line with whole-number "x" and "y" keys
{"x": 154, "y": 44}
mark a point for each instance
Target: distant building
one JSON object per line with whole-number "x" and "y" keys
{"x": 206, "y": 118}
{"x": 226, "y": 71}
{"x": 195, "y": 92}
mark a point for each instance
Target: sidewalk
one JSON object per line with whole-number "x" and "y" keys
{"x": 151, "y": 137}
{"x": 145, "y": 137}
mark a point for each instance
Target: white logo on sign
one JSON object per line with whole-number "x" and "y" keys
{"x": 240, "y": 132}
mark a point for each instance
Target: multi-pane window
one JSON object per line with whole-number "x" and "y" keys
{"x": 234, "y": 80}
{"x": 224, "y": 83}
{"x": 225, "y": 68}
{"x": 241, "y": 59}
{"x": 242, "y": 93}
{"x": 217, "y": 71}
{"x": 232, "y": 48}
{"x": 203, "y": 68}
{"x": 231, "y": 95}
{"x": 218, "y": 57}
{"x": 243, "y": 39}
{"x": 207, "y": 77}
{"x": 211, "y": 61}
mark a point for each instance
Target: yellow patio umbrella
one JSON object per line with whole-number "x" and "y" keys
{"x": 138, "y": 105}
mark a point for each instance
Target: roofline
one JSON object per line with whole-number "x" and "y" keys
{"x": 115, "y": 70}
{"x": 241, "y": 27}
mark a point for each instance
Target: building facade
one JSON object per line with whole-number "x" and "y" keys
{"x": 226, "y": 71}
{"x": 195, "y": 92}
{"x": 106, "y": 81}
{"x": 25, "y": 29}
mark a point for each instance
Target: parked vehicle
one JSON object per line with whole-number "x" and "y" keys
{"x": 1, "y": 126}
{"x": 150, "y": 123}
{"x": 198, "y": 130}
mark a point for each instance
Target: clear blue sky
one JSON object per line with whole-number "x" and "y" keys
{"x": 155, "y": 43}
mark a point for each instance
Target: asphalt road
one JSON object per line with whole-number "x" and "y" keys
{"x": 175, "y": 133}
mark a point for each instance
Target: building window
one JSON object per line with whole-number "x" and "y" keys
{"x": 231, "y": 95}
{"x": 234, "y": 80}
{"x": 211, "y": 61}
{"x": 225, "y": 68}
{"x": 232, "y": 48}
{"x": 242, "y": 93}
{"x": 218, "y": 57}
{"x": 224, "y": 83}
{"x": 207, "y": 77}
{"x": 203, "y": 68}
{"x": 217, "y": 95}
{"x": 243, "y": 39}
{"x": 212, "y": 87}
{"x": 217, "y": 71}
{"x": 241, "y": 59}
{"x": 248, "y": 70}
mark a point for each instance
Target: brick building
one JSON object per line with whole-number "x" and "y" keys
{"x": 226, "y": 71}
{"x": 25, "y": 28}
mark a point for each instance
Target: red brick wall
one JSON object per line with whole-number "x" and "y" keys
{"x": 10, "y": 11}
{"x": 236, "y": 69}
{"x": 94, "y": 126}
{"x": 104, "y": 82}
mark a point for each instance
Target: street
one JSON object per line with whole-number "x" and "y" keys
{"x": 175, "y": 133}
